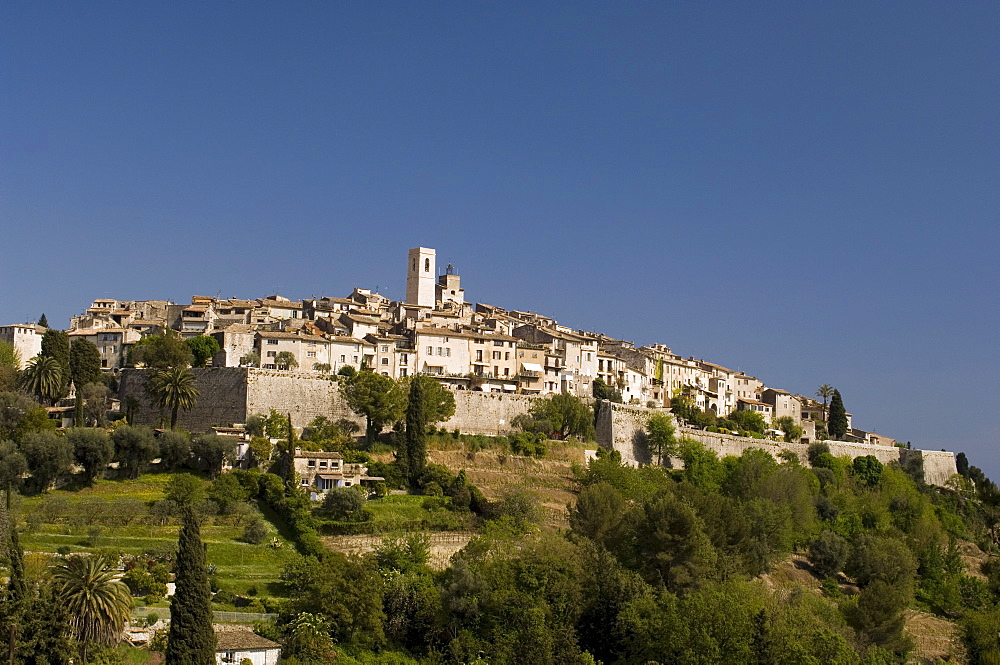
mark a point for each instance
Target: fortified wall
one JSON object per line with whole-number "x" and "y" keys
{"x": 230, "y": 394}
{"x": 623, "y": 428}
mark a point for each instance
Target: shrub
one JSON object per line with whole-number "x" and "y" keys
{"x": 344, "y": 503}
{"x": 828, "y": 553}
{"x": 256, "y": 531}
{"x": 815, "y": 450}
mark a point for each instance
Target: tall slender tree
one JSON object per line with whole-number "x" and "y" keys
{"x": 837, "y": 425}
{"x": 191, "y": 640}
{"x": 414, "y": 456}
{"x": 43, "y": 321}
{"x": 826, "y": 392}
{"x": 84, "y": 363}
{"x": 174, "y": 388}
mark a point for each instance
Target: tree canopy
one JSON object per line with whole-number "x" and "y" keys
{"x": 378, "y": 398}
{"x": 162, "y": 351}
{"x": 203, "y": 347}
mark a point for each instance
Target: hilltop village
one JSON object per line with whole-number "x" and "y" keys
{"x": 435, "y": 332}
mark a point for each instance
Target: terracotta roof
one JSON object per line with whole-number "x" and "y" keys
{"x": 284, "y": 304}
{"x": 753, "y": 401}
{"x": 237, "y": 639}
{"x": 318, "y": 454}
{"x": 237, "y": 328}
{"x": 288, "y": 335}
{"x": 349, "y": 340}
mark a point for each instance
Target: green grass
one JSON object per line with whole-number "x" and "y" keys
{"x": 239, "y": 565}
{"x": 403, "y": 511}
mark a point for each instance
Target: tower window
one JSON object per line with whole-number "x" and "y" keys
{"x": 427, "y": 265}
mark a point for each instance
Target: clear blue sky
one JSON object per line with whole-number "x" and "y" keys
{"x": 807, "y": 192}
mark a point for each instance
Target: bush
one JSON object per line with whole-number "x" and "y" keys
{"x": 815, "y": 450}
{"x": 256, "y": 531}
{"x": 344, "y": 503}
{"x": 828, "y": 553}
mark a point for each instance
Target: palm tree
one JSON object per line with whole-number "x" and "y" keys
{"x": 43, "y": 376}
{"x": 175, "y": 389}
{"x": 98, "y": 601}
{"x": 826, "y": 392}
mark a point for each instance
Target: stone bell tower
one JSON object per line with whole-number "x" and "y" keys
{"x": 421, "y": 277}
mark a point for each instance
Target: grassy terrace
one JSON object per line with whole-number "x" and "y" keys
{"x": 64, "y": 518}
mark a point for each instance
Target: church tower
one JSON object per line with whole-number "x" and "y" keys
{"x": 420, "y": 277}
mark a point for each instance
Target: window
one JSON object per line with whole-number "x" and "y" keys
{"x": 506, "y": 371}
{"x": 479, "y": 354}
{"x": 310, "y": 354}
{"x": 385, "y": 348}
{"x": 355, "y": 361}
{"x": 343, "y": 358}
{"x": 272, "y": 341}
{"x": 430, "y": 350}
{"x": 447, "y": 352}
{"x": 311, "y": 463}
{"x": 272, "y": 354}
{"x": 385, "y": 361}
{"x": 588, "y": 357}
{"x": 427, "y": 265}
{"x": 440, "y": 351}
{"x": 498, "y": 342}
{"x": 506, "y": 355}
{"x": 402, "y": 372}
{"x": 496, "y": 355}
{"x": 404, "y": 358}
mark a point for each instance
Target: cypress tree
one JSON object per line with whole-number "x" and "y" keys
{"x": 43, "y": 321}
{"x": 84, "y": 363}
{"x": 837, "y": 426}
{"x": 416, "y": 432}
{"x": 191, "y": 640}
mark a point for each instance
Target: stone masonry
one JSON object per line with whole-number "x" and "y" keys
{"x": 622, "y": 428}
{"x": 230, "y": 394}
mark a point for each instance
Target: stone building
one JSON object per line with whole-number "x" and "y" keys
{"x": 26, "y": 338}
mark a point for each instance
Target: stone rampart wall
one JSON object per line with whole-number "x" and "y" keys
{"x": 939, "y": 466}
{"x": 302, "y": 396}
{"x": 622, "y": 428}
{"x": 487, "y": 413}
{"x": 230, "y": 394}
{"x": 223, "y": 398}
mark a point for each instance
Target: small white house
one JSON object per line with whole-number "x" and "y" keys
{"x": 234, "y": 644}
